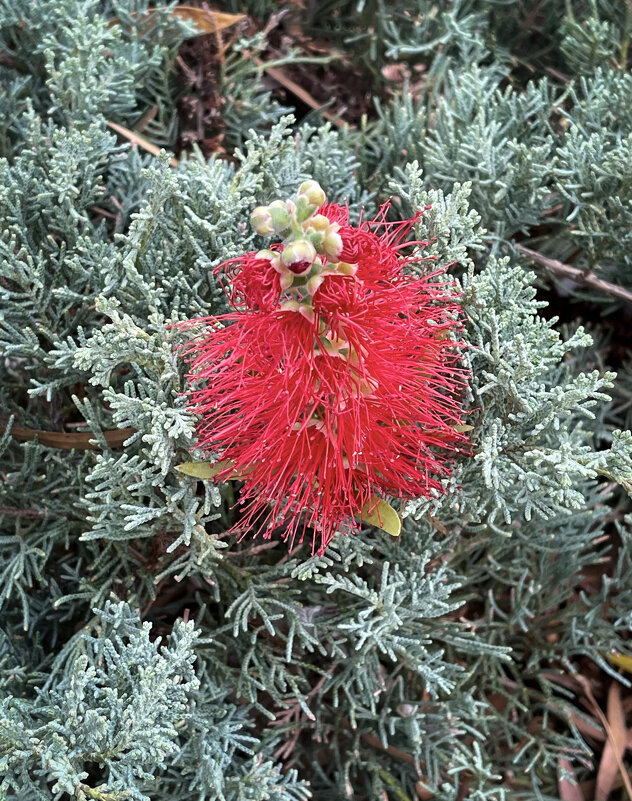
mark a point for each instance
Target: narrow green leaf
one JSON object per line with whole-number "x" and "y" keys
{"x": 203, "y": 469}
{"x": 620, "y": 660}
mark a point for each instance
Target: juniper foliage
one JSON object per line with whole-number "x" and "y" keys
{"x": 386, "y": 668}
{"x": 538, "y": 153}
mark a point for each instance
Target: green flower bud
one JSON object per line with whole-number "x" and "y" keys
{"x": 261, "y": 220}
{"x": 317, "y": 228}
{"x": 316, "y": 238}
{"x": 303, "y": 209}
{"x": 312, "y": 192}
{"x": 280, "y": 217}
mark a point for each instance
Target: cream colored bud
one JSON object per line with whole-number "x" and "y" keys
{"x": 318, "y": 223}
{"x": 346, "y": 269}
{"x": 314, "y": 283}
{"x": 286, "y": 279}
{"x": 261, "y": 221}
{"x": 307, "y": 312}
{"x": 332, "y": 245}
{"x": 299, "y": 251}
{"x": 268, "y": 255}
{"x": 273, "y": 257}
{"x": 313, "y": 193}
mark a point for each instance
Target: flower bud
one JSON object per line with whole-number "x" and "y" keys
{"x": 312, "y": 192}
{"x": 261, "y": 220}
{"x": 314, "y": 283}
{"x": 280, "y": 217}
{"x": 318, "y": 223}
{"x": 300, "y": 267}
{"x": 286, "y": 279}
{"x": 316, "y": 238}
{"x": 332, "y": 245}
{"x": 305, "y": 309}
{"x": 346, "y": 269}
{"x": 303, "y": 210}
{"x": 298, "y": 256}
{"x": 272, "y": 256}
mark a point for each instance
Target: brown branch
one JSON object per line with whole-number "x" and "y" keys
{"x": 565, "y": 271}
{"x": 396, "y": 753}
{"x": 139, "y": 141}
{"x": 78, "y": 441}
{"x": 281, "y": 77}
{"x": 7, "y": 61}
{"x": 11, "y": 511}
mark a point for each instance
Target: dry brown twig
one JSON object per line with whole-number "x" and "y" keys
{"x": 286, "y": 82}
{"x": 562, "y": 270}
{"x": 70, "y": 441}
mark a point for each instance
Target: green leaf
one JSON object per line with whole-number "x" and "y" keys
{"x": 205, "y": 470}
{"x": 621, "y": 661}
{"x": 381, "y": 514}
{"x": 208, "y": 470}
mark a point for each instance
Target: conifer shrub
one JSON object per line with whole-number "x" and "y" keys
{"x": 154, "y": 644}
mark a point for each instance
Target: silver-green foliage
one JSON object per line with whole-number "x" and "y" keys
{"x": 527, "y": 408}
{"x": 120, "y": 700}
{"x": 109, "y": 61}
{"x": 593, "y": 176}
{"x": 354, "y": 635}
{"x": 545, "y": 159}
{"x": 369, "y": 669}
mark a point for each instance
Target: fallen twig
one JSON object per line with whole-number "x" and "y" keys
{"x": 140, "y": 141}
{"x": 10, "y": 511}
{"x": 71, "y": 441}
{"x": 566, "y": 271}
{"x": 280, "y": 76}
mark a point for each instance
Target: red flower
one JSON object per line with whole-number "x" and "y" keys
{"x": 334, "y": 390}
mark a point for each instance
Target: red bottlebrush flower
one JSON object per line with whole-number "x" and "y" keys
{"x": 327, "y": 390}
{"x": 253, "y": 282}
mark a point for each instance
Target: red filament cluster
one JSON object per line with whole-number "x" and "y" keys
{"x": 323, "y": 401}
